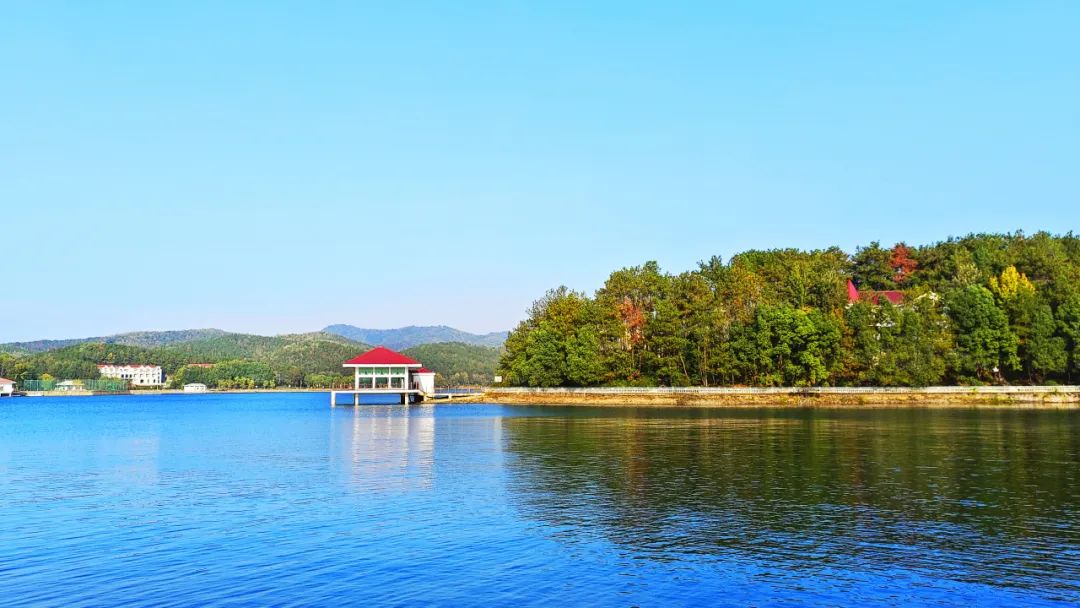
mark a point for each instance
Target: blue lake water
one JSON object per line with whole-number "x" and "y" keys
{"x": 277, "y": 499}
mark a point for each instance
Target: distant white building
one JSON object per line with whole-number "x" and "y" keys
{"x": 7, "y": 387}
{"x": 195, "y": 387}
{"x": 137, "y": 375}
{"x": 70, "y": 386}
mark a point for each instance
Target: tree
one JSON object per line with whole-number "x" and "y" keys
{"x": 1068, "y": 317}
{"x": 556, "y": 345}
{"x": 901, "y": 263}
{"x": 873, "y": 268}
{"x": 984, "y": 343}
{"x": 786, "y": 346}
{"x": 1045, "y": 352}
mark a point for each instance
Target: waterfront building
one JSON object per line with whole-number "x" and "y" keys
{"x": 137, "y": 375}
{"x": 195, "y": 387}
{"x": 7, "y": 387}
{"x": 383, "y": 371}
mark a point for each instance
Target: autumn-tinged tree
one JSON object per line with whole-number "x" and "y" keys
{"x": 902, "y": 264}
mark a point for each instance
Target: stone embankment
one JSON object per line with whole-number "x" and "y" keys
{"x": 931, "y": 396}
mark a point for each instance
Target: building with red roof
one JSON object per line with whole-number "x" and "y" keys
{"x": 873, "y": 297}
{"x": 7, "y": 387}
{"x": 381, "y": 370}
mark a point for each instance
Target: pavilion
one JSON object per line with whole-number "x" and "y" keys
{"x": 383, "y": 371}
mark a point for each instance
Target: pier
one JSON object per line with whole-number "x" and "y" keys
{"x": 407, "y": 396}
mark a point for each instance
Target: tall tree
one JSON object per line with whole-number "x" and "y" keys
{"x": 985, "y": 346}
{"x": 872, "y": 267}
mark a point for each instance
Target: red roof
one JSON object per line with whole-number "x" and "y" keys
{"x": 874, "y": 297}
{"x": 852, "y": 293}
{"x": 893, "y": 296}
{"x": 6, "y": 381}
{"x": 423, "y": 370}
{"x": 380, "y": 355}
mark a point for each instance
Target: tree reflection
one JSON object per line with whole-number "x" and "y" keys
{"x": 991, "y": 496}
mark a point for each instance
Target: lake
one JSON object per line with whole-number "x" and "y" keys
{"x": 277, "y": 499}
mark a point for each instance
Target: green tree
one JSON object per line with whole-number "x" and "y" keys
{"x": 1068, "y": 317}
{"x": 786, "y": 346}
{"x": 985, "y": 346}
{"x": 872, "y": 267}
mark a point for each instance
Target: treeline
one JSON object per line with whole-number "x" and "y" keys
{"x": 986, "y": 308}
{"x": 226, "y": 374}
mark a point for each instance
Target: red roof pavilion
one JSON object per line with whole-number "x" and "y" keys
{"x": 380, "y": 355}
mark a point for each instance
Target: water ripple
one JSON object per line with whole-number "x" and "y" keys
{"x": 221, "y": 500}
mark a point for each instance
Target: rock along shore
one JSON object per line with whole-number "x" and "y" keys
{"x": 933, "y": 396}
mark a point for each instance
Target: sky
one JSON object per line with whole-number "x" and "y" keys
{"x": 275, "y": 167}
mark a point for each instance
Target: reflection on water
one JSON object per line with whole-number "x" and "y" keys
{"x": 385, "y": 448}
{"x": 978, "y": 497}
{"x": 276, "y": 499}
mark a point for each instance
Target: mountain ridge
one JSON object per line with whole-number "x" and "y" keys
{"x": 143, "y": 339}
{"x": 397, "y": 338}
{"x": 415, "y": 335}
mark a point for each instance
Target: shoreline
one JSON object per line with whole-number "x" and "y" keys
{"x": 1020, "y": 397}
{"x": 1016, "y": 397}
{"x": 176, "y": 391}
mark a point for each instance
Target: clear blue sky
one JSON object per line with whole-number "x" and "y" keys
{"x": 275, "y": 167}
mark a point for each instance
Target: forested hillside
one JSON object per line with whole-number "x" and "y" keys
{"x": 145, "y": 339}
{"x": 252, "y": 360}
{"x": 457, "y": 363}
{"x": 986, "y": 308}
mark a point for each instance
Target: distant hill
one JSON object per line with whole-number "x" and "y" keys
{"x": 407, "y": 337}
{"x": 317, "y": 352}
{"x": 143, "y": 339}
{"x": 289, "y": 358}
{"x": 458, "y": 363}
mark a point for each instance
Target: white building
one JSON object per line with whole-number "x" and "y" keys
{"x": 137, "y": 375}
{"x": 195, "y": 387}
{"x": 7, "y": 387}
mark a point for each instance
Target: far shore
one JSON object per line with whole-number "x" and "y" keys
{"x": 1020, "y": 397}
